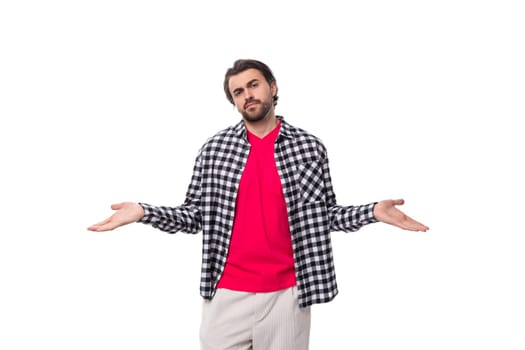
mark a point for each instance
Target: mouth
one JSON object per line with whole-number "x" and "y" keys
{"x": 250, "y": 104}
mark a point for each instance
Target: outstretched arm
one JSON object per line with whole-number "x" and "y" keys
{"x": 352, "y": 218}
{"x": 386, "y": 211}
{"x": 186, "y": 218}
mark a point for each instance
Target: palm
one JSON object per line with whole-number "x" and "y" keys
{"x": 387, "y": 212}
{"x": 126, "y": 213}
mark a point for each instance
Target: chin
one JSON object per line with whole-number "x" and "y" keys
{"x": 253, "y": 119}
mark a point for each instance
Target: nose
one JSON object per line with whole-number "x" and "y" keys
{"x": 248, "y": 95}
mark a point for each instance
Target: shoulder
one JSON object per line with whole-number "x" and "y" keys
{"x": 303, "y": 139}
{"x": 227, "y": 137}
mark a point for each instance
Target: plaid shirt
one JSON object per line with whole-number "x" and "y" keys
{"x": 302, "y": 164}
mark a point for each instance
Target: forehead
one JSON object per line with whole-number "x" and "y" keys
{"x": 244, "y": 77}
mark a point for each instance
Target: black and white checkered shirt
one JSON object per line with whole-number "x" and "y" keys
{"x": 312, "y": 210}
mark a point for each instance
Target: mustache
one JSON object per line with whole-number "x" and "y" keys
{"x": 251, "y": 101}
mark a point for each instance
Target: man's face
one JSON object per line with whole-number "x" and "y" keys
{"x": 252, "y": 95}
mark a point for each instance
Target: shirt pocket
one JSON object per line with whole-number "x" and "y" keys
{"x": 309, "y": 180}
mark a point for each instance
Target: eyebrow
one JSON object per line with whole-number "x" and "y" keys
{"x": 239, "y": 89}
{"x": 252, "y": 81}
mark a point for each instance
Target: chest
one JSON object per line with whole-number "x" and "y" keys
{"x": 295, "y": 165}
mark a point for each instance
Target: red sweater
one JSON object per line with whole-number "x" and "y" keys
{"x": 260, "y": 257}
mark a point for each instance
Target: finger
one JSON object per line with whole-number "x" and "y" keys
{"x": 99, "y": 228}
{"x": 416, "y": 228}
{"x": 117, "y": 206}
{"x": 102, "y": 222}
{"x": 414, "y": 225}
{"x": 399, "y": 201}
{"x": 104, "y": 227}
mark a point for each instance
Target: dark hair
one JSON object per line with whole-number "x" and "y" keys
{"x": 242, "y": 65}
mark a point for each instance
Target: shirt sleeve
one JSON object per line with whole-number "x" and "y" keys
{"x": 186, "y": 218}
{"x": 345, "y": 218}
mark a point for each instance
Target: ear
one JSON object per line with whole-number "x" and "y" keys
{"x": 274, "y": 88}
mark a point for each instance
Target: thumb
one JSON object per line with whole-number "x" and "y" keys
{"x": 117, "y": 206}
{"x": 399, "y": 201}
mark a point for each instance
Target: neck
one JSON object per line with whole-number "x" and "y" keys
{"x": 262, "y": 127}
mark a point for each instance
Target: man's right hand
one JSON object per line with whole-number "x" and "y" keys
{"x": 126, "y": 213}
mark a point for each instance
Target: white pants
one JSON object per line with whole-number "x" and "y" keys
{"x": 260, "y": 321}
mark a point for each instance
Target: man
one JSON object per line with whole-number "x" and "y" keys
{"x": 261, "y": 194}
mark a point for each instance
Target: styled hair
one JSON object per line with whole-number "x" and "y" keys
{"x": 242, "y": 65}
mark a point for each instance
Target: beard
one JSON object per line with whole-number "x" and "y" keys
{"x": 265, "y": 107}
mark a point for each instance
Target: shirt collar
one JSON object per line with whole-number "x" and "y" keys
{"x": 286, "y": 130}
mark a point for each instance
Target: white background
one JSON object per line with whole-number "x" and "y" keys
{"x": 106, "y": 101}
